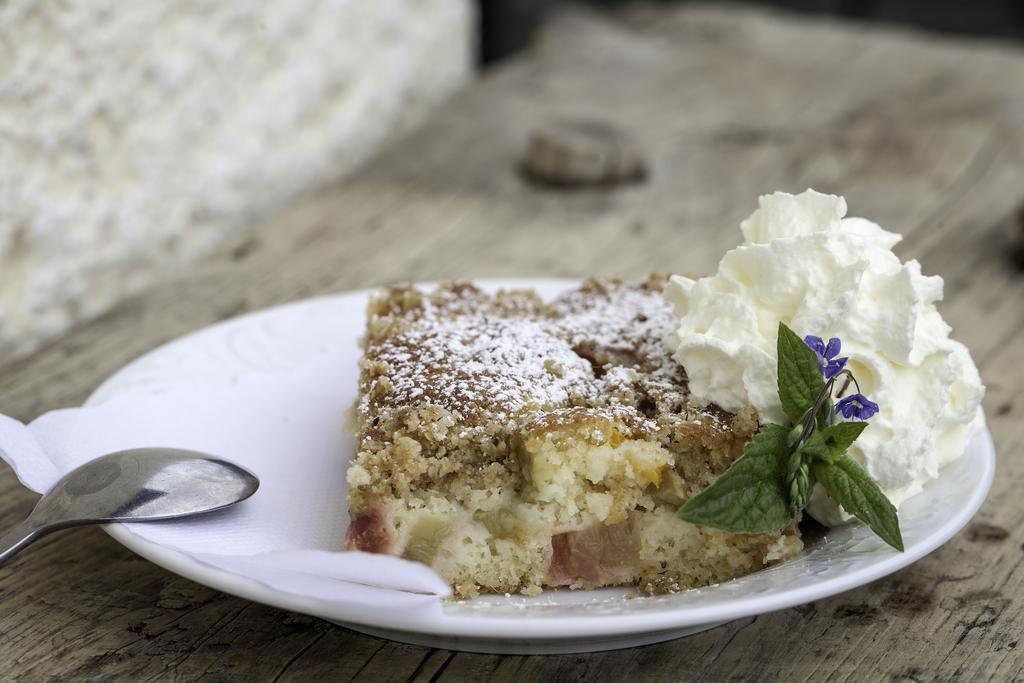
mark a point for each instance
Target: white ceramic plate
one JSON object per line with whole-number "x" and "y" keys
{"x": 557, "y": 620}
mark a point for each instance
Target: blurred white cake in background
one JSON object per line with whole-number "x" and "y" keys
{"x": 140, "y": 136}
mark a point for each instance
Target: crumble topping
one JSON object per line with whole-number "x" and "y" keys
{"x": 477, "y": 367}
{"x": 612, "y": 324}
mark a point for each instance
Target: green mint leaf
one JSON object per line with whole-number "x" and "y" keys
{"x": 800, "y": 381}
{"x": 751, "y": 496}
{"x": 850, "y": 486}
{"x": 841, "y": 435}
{"x": 816, "y": 447}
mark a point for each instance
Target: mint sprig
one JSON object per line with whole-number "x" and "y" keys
{"x": 770, "y": 484}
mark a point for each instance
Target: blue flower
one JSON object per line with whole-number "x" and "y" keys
{"x": 828, "y": 364}
{"x": 856, "y": 405}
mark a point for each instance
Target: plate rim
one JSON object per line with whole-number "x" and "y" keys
{"x": 438, "y": 623}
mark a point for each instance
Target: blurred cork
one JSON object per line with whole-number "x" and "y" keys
{"x": 585, "y": 152}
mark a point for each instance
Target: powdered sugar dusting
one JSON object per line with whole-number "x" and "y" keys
{"x": 622, "y": 323}
{"x": 480, "y": 366}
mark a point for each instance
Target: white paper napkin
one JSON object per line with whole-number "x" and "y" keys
{"x": 288, "y": 429}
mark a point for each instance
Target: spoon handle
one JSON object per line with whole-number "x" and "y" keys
{"x": 19, "y": 537}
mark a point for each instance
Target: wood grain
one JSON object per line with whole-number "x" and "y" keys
{"x": 924, "y": 135}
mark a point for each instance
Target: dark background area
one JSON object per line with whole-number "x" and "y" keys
{"x": 506, "y": 25}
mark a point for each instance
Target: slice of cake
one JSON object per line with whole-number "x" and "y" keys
{"x": 513, "y": 444}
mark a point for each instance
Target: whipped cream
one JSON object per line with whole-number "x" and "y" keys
{"x": 803, "y": 263}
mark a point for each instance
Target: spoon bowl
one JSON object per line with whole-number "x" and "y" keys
{"x": 138, "y": 485}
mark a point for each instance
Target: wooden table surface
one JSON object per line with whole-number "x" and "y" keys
{"x": 924, "y": 135}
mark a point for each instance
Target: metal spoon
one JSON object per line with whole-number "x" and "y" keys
{"x": 139, "y": 485}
